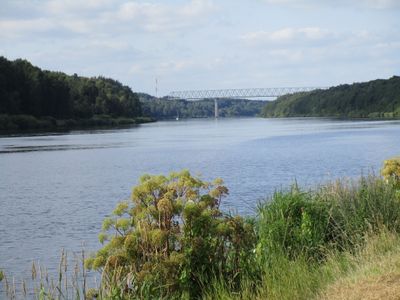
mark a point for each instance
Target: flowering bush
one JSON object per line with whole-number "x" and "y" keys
{"x": 391, "y": 170}
{"x": 172, "y": 239}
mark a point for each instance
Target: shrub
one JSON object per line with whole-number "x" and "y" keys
{"x": 6, "y": 123}
{"x": 391, "y": 170}
{"x": 26, "y": 122}
{"x": 171, "y": 239}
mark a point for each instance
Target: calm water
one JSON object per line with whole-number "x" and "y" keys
{"x": 55, "y": 190}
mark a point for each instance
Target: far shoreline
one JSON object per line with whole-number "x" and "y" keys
{"x": 29, "y": 125}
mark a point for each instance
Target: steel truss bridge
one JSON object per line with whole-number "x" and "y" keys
{"x": 238, "y": 94}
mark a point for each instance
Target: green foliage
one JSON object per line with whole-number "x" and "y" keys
{"x": 336, "y": 216}
{"x": 28, "y": 90}
{"x": 391, "y": 171}
{"x": 359, "y": 207}
{"x": 172, "y": 239}
{"x": 374, "y": 99}
{"x": 1, "y": 275}
{"x": 301, "y": 278}
{"x": 28, "y": 122}
{"x": 165, "y": 108}
{"x": 293, "y": 224}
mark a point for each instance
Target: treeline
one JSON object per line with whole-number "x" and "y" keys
{"x": 165, "y": 108}
{"x": 373, "y": 99}
{"x": 39, "y": 97}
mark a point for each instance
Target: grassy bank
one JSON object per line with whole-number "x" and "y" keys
{"x": 370, "y": 271}
{"x": 25, "y": 123}
{"x": 323, "y": 244}
{"x": 337, "y": 241}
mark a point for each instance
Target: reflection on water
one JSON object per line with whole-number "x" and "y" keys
{"x": 16, "y": 148}
{"x": 56, "y": 189}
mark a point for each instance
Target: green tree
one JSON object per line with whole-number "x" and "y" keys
{"x": 374, "y": 99}
{"x": 28, "y": 90}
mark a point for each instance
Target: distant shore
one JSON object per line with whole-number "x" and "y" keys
{"x": 14, "y": 124}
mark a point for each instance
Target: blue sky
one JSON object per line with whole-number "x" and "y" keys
{"x": 207, "y": 44}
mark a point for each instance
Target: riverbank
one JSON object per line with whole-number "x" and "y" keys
{"x": 337, "y": 241}
{"x": 11, "y": 124}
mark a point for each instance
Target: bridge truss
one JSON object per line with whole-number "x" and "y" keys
{"x": 239, "y": 93}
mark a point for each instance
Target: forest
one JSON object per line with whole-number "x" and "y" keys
{"x": 31, "y": 98}
{"x": 36, "y": 99}
{"x": 377, "y": 99}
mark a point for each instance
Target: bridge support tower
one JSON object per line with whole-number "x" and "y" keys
{"x": 216, "y": 108}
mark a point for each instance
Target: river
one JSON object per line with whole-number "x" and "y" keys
{"x": 55, "y": 189}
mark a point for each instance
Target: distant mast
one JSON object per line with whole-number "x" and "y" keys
{"x": 156, "y": 87}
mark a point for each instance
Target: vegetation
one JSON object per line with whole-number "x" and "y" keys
{"x": 373, "y": 99}
{"x": 172, "y": 241}
{"x": 31, "y": 98}
{"x": 391, "y": 171}
{"x": 165, "y": 108}
{"x": 374, "y": 271}
{"x": 309, "y": 241}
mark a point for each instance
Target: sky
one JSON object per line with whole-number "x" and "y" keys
{"x": 207, "y": 44}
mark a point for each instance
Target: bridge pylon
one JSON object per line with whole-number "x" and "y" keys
{"x": 216, "y": 114}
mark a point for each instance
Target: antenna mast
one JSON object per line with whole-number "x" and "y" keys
{"x": 156, "y": 87}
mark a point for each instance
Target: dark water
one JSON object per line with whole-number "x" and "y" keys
{"x": 55, "y": 190}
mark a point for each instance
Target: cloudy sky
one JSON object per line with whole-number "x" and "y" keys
{"x": 207, "y": 44}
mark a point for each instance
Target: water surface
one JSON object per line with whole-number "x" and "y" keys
{"x": 55, "y": 190}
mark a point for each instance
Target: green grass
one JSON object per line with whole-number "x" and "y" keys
{"x": 309, "y": 240}
{"x": 367, "y": 272}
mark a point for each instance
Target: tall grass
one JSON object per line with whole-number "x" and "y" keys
{"x": 70, "y": 281}
{"x": 374, "y": 271}
{"x": 309, "y": 239}
{"x": 334, "y": 216}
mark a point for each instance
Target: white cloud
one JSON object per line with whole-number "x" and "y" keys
{"x": 157, "y": 17}
{"x": 196, "y": 8}
{"x": 106, "y": 17}
{"x": 58, "y": 7}
{"x": 382, "y": 4}
{"x": 374, "y": 4}
{"x": 287, "y": 35}
{"x": 17, "y": 28}
{"x": 287, "y": 55}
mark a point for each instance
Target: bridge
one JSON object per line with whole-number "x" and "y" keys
{"x": 238, "y": 94}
